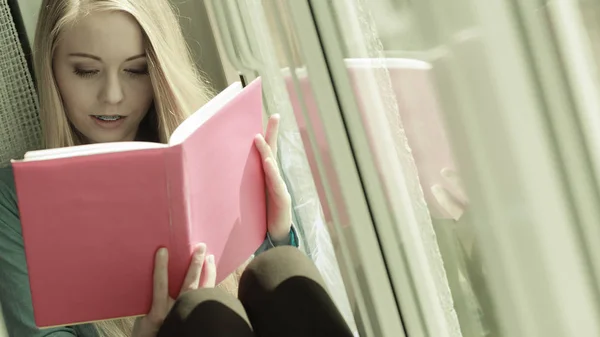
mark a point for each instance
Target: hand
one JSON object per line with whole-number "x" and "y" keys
{"x": 279, "y": 201}
{"x": 202, "y": 273}
{"x": 453, "y": 201}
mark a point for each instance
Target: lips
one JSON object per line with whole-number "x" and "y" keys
{"x": 108, "y": 121}
{"x": 108, "y": 118}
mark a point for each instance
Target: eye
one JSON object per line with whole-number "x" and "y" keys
{"x": 84, "y": 73}
{"x": 137, "y": 72}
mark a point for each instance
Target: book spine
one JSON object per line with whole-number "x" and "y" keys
{"x": 179, "y": 248}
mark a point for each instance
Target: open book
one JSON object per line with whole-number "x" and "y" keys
{"x": 93, "y": 216}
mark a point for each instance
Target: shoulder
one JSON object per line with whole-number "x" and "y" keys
{"x": 8, "y": 198}
{"x": 8, "y": 195}
{"x": 7, "y": 181}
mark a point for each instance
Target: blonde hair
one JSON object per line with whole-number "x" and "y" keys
{"x": 179, "y": 89}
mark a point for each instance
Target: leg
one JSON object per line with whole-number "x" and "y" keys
{"x": 284, "y": 295}
{"x": 206, "y": 312}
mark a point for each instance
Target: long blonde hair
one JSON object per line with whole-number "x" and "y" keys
{"x": 179, "y": 89}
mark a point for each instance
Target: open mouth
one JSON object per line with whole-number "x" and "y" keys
{"x": 106, "y": 118}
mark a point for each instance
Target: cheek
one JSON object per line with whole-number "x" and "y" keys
{"x": 75, "y": 96}
{"x": 142, "y": 94}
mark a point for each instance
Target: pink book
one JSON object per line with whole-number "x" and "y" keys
{"x": 93, "y": 216}
{"x": 418, "y": 108}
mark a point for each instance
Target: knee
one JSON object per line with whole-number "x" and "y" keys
{"x": 205, "y": 299}
{"x": 275, "y": 266}
{"x": 208, "y": 310}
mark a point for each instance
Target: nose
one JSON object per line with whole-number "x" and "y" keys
{"x": 112, "y": 92}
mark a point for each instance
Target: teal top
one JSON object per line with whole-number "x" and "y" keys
{"x": 15, "y": 295}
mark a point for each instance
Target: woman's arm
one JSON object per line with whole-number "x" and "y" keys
{"x": 15, "y": 296}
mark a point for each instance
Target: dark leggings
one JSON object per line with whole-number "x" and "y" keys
{"x": 281, "y": 294}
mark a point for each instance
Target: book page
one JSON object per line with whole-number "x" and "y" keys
{"x": 89, "y": 149}
{"x": 203, "y": 114}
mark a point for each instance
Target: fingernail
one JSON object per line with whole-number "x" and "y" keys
{"x": 163, "y": 251}
{"x": 200, "y": 248}
{"x": 437, "y": 189}
{"x": 211, "y": 259}
{"x": 447, "y": 173}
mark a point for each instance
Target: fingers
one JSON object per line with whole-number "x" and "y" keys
{"x": 209, "y": 274}
{"x": 263, "y": 147}
{"x": 201, "y": 267}
{"x": 279, "y": 216}
{"x": 274, "y": 180}
{"x": 454, "y": 208}
{"x": 160, "y": 295}
{"x": 457, "y": 187}
{"x": 267, "y": 144}
{"x": 273, "y": 132}
{"x": 275, "y": 184}
{"x": 192, "y": 278}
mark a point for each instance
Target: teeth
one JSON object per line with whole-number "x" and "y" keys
{"x": 109, "y": 118}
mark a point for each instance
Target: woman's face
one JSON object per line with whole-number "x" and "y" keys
{"x": 101, "y": 70}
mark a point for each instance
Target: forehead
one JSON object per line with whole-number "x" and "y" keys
{"x": 110, "y": 35}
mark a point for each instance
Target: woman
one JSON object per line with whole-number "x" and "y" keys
{"x": 107, "y": 71}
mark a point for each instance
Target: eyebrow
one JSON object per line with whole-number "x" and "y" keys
{"x": 99, "y": 59}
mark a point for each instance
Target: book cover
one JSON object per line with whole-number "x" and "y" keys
{"x": 93, "y": 216}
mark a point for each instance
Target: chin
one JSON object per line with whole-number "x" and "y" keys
{"x": 107, "y": 138}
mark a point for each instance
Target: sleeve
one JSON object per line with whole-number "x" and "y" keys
{"x": 269, "y": 243}
{"x": 15, "y": 296}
